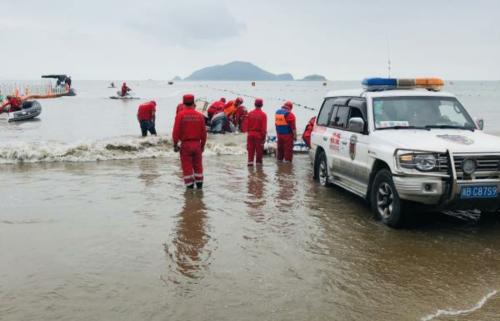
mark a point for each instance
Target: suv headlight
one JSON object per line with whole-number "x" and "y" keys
{"x": 423, "y": 162}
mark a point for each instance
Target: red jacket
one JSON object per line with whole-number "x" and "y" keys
{"x": 190, "y": 126}
{"x": 240, "y": 118}
{"x": 215, "y": 108}
{"x": 180, "y": 108}
{"x": 146, "y": 111}
{"x": 125, "y": 89}
{"x": 257, "y": 122}
{"x": 15, "y": 104}
{"x": 307, "y": 132}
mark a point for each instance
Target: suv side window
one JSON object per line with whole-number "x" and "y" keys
{"x": 332, "y": 119}
{"x": 326, "y": 111}
{"x": 356, "y": 112}
{"x": 340, "y": 118}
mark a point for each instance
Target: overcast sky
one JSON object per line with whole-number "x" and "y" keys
{"x": 158, "y": 39}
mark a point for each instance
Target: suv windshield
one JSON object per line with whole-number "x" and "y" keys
{"x": 420, "y": 112}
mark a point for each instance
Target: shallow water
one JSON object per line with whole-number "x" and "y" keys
{"x": 86, "y": 239}
{"x": 123, "y": 240}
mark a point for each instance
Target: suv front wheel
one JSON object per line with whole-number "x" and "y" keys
{"x": 321, "y": 170}
{"x": 385, "y": 201}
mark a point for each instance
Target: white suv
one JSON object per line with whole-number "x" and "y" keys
{"x": 395, "y": 144}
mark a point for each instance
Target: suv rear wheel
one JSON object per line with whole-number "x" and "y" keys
{"x": 385, "y": 201}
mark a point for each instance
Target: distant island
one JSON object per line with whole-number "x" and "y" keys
{"x": 243, "y": 71}
{"x": 314, "y": 78}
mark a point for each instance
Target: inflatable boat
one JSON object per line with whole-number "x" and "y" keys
{"x": 271, "y": 145}
{"x": 31, "y": 109}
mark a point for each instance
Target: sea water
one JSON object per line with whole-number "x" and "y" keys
{"x": 95, "y": 224}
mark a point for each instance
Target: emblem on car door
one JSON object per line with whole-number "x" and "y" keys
{"x": 352, "y": 146}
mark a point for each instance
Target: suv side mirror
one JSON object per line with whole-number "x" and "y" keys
{"x": 479, "y": 123}
{"x": 357, "y": 124}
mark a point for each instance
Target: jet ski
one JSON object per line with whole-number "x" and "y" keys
{"x": 30, "y": 109}
{"x": 128, "y": 96}
{"x": 271, "y": 146}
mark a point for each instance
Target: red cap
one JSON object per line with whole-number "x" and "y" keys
{"x": 259, "y": 102}
{"x": 288, "y": 104}
{"x": 239, "y": 100}
{"x": 223, "y": 99}
{"x": 188, "y": 99}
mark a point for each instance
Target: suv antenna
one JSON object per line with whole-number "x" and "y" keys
{"x": 388, "y": 60}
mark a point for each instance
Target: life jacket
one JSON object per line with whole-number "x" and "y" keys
{"x": 282, "y": 127}
{"x": 15, "y": 104}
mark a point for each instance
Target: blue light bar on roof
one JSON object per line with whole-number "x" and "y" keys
{"x": 380, "y": 83}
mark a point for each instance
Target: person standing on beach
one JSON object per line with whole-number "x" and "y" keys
{"x": 306, "y": 136}
{"x": 257, "y": 131}
{"x": 286, "y": 132}
{"x": 190, "y": 131}
{"x": 146, "y": 115}
{"x": 186, "y": 99}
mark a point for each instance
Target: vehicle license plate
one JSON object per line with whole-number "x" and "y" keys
{"x": 468, "y": 192}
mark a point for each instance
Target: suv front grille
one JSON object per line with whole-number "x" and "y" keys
{"x": 487, "y": 166}
{"x": 442, "y": 164}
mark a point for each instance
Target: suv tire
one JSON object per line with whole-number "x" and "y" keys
{"x": 321, "y": 170}
{"x": 385, "y": 201}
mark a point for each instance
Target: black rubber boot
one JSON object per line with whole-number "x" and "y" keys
{"x": 190, "y": 186}
{"x": 199, "y": 185}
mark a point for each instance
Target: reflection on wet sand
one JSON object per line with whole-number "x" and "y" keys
{"x": 191, "y": 236}
{"x": 256, "y": 189}
{"x": 148, "y": 172}
{"x": 285, "y": 181}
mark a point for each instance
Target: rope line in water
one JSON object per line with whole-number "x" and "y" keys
{"x": 254, "y": 97}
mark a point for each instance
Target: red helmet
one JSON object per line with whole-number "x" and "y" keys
{"x": 259, "y": 102}
{"x": 239, "y": 100}
{"x": 188, "y": 99}
{"x": 288, "y": 104}
{"x": 223, "y": 99}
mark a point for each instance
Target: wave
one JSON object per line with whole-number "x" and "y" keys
{"x": 118, "y": 148}
{"x": 476, "y": 307}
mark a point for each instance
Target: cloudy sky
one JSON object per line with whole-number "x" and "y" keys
{"x": 158, "y": 39}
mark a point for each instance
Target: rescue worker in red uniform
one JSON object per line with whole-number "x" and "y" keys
{"x": 286, "y": 132}
{"x": 216, "y": 107}
{"x": 230, "y": 110}
{"x": 257, "y": 132}
{"x": 240, "y": 118}
{"x": 146, "y": 115}
{"x": 190, "y": 130}
{"x": 125, "y": 89}
{"x": 182, "y": 106}
{"x": 306, "y": 136}
{"x": 14, "y": 102}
